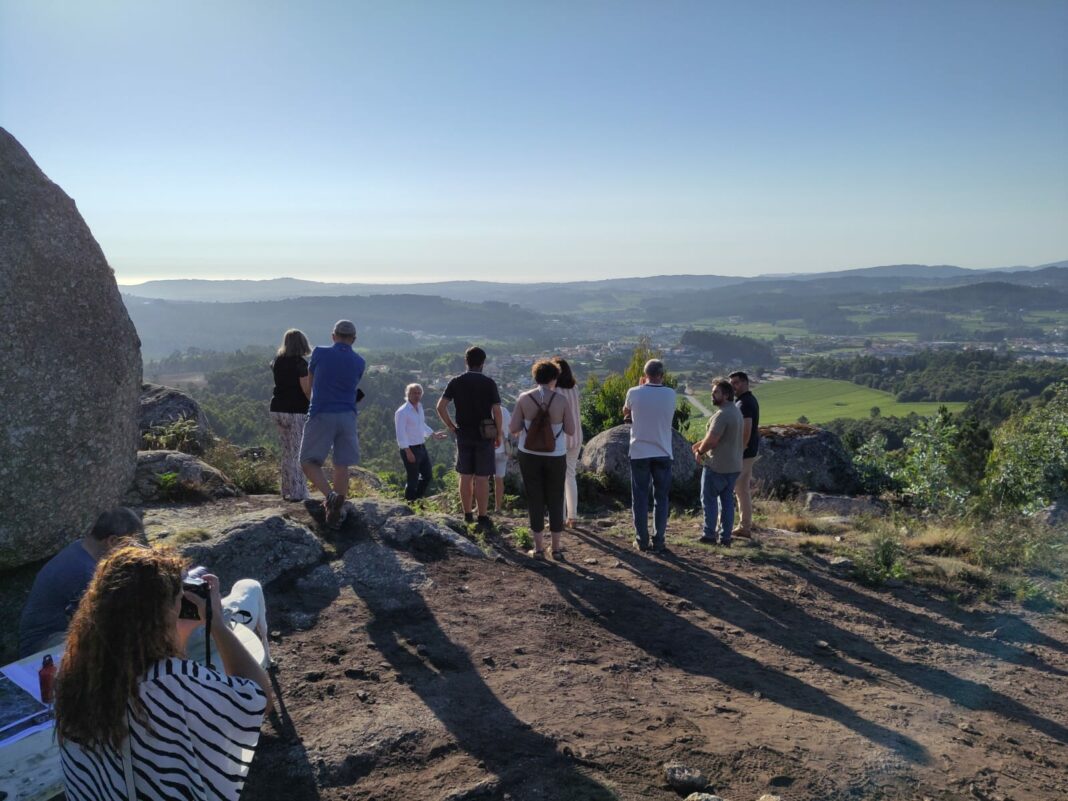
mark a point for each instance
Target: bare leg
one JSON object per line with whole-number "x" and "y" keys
{"x": 498, "y": 493}
{"x": 341, "y": 479}
{"x": 556, "y": 539}
{"x": 467, "y": 497}
{"x": 316, "y": 476}
{"x": 482, "y": 494}
{"x": 539, "y": 542}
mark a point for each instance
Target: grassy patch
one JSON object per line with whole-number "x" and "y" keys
{"x": 823, "y": 399}
{"x": 186, "y": 536}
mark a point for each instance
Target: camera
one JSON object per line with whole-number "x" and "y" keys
{"x": 197, "y": 586}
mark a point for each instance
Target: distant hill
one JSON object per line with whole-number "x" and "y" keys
{"x": 574, "y": 295}
{"x": 731, "y": 348}
{"x": 383, "y": 321}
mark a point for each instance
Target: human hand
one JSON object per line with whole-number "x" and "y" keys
{"x": 409, "y": 455}
{"x": 497, "y": 442}
{"x": 440, "y": 434}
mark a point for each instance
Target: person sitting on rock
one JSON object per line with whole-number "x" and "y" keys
{"x": 62, "y": 581}
{"x": 335, "y": 375}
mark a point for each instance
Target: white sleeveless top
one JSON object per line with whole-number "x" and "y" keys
{"x": 542, "y": 397}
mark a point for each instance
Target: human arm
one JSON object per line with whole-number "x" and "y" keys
{"x": 711, "y": 438}
{"x": 515, "y": 422}
{"x": 237, "y": 661}
{"x": 402, "y": 437}
{"x": 747, "y": 429}
{"x": 498, "y": 421}
{"x": 442, "y": 408}
{"x": 306, "y": 385}
{"x": 569, "y": 417}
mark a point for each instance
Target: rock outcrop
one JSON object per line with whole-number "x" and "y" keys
{"x": 68, "y": 394}
{"x": 161, "y": 406}
{"x": 607, "y": 453}
{"x": 259, "y": 545}
{"x": 798, "y": 458}
{"x": 176, "y": 476}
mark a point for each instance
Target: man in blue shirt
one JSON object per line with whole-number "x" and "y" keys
{"x": 59, "y": 586}
{"x": 335, "y": 373}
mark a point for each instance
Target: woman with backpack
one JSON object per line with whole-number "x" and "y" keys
{"x": 542, "y": 419}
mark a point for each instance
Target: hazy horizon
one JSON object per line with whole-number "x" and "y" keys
{"x": 511, "y": 141}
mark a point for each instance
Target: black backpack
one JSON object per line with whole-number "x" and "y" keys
{"x": 540, "y": 436}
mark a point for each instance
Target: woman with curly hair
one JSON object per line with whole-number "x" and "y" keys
{"x": 134, "y": 717}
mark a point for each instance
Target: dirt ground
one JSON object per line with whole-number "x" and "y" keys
{"x": 507, "y": 679}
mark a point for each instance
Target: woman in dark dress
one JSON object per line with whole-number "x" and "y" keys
{"x": 289, "y": 409}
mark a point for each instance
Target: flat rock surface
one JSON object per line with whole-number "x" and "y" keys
{"x": 493, "y": 679}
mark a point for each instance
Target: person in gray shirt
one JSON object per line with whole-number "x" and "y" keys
{"x": 724, "y": 441}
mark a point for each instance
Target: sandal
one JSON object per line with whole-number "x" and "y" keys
{"x": 558, "y": 555}
{"x": 536, "y": 555}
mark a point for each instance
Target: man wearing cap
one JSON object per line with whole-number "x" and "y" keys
{"x": 335, "y": 372}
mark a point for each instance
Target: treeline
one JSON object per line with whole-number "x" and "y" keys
{"x": 731, "y": 348}
{"x": 936, "y": 375}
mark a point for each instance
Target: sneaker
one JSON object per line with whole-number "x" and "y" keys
{"x": 709, "y": 540}
{"x": 333, "y": 504}
{"x": 469, "y": 517}
{"x": 725, "y": 543}
{"x": 638, "y": 546}
{"x": 744, "y": 533}
{"x": 484, "y": 523}
{"x": 661, "y": 549}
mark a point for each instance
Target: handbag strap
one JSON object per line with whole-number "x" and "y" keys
{"x": 127, "y": 762}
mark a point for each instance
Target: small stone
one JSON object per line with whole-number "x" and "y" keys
{"x": 770, "y": 797}
{"x": 590, "y": 561}
{"x": 823, "y": 645}
{"x": 758, "y": 695}
{"x": 489, "y": 661}
{"x": 422, "y": 650}
{"x": 842, "y": 563}
{"x": 363, "y": 695}
{"x": 518, "y": 650}
{"x": 702, "y": 797}
{"x": 684, "y": 779}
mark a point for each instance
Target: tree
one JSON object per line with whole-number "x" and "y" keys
{"x": 602, "y": 401}
{"x": 876, "y": 411}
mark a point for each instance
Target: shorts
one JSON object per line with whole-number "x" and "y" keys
{"x": 328, "y": 430}
{"x": 475, "y": 457}
{"x": 501, "y": 465}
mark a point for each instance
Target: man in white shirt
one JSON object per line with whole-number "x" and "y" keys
{"x": 412, "y": 432}
{"x": 651, "y": 408}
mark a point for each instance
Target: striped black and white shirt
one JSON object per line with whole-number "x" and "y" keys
{"x": 202, "y": 729}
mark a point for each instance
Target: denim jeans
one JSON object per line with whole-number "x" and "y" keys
{"x": 419, "y": 472}
{"x": 641, "y": 470}
{"x": 716, "y": 489}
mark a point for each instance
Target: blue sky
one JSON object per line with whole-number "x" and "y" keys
{"x": 542, "y": 140}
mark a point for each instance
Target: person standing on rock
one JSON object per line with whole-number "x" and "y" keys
{"x": 750, "y": 409}
{"x": 412, "y": 431}
{"x": 289, "y": 409}
{"x": 720, "y": 471}
{"x": 651, "y": 409}
{"x": 335, "y": 374}
{"x": 479, "y": 428}
{"x": 60, "y": 584}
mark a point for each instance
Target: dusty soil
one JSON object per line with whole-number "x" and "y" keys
{"x": 508, "y": 679}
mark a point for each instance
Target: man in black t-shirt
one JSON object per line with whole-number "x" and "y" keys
{"x": 751, "y": 437}
{"x": 476, "y": 399}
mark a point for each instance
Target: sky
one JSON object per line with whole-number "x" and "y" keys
{"x": 547, "y": 139}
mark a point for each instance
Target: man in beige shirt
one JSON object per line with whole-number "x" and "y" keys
{"x": 720, "y": 470}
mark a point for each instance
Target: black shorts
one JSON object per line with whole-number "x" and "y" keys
{"x": 475, "y": 457}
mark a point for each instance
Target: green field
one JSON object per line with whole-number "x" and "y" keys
{"x": 823, "y": 399}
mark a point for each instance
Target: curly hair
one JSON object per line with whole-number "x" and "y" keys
{"x": 124, "y": 624}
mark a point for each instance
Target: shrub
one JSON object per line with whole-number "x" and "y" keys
{"x": 255, "y": 476}
{"x": 883, "y": 560}
{"x": 179, "y": 435}
{"x": 523, "y": 538}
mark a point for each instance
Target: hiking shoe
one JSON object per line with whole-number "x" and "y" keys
{"x": 744, "y": 533}
{"x": 469, "y": 517}
{"x": 639, "y": 547}
{"x": 333, "y": 504}
{"x": 724, "y": 543}
{"x": 484, "y": 524}
{"x": 709, "y": 540}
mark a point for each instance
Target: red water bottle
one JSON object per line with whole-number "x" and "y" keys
{"x": 47, "y": 677}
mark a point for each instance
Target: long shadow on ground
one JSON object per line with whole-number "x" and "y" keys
{"x": 683, "y": 645}
{"x": 527, "y": 764}
{"x": 742, "y": 603}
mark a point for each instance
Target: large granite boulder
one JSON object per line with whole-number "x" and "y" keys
{"x": 176, "y": 476}
{"x": 262, "y": 545}
{"x": 69, "y": 390}
{"x": 844, "y": 505}
{"x": 799, "y": 458}
{"x": 161, "y": 406}
{"x": 607, "y": 454}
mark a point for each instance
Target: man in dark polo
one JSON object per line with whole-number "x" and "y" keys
{"x": 750, "y": 409}
{"x": 335, "y": 373}
{"x": 476, "y": 399}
